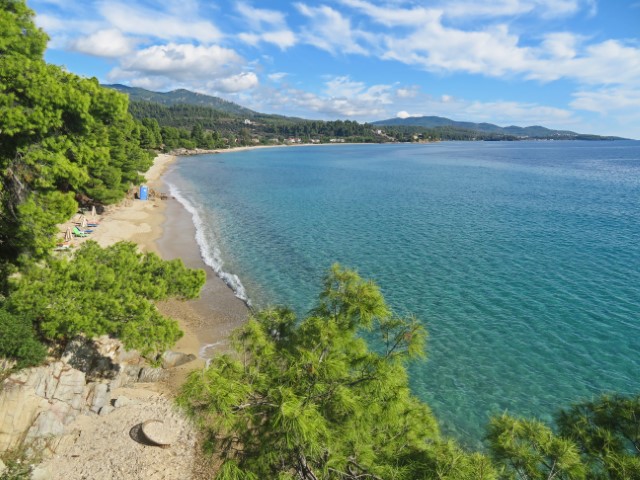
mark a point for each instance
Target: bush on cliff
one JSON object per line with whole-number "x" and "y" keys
{"x": 18, "y": 340}
{"x": 104, "y": 291}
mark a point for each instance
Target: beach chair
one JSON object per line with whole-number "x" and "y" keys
{"x": 78, "y": 233}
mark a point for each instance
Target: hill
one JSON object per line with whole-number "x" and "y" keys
{"x": 535, "y": 131}
{"x": 184, "y": 97}
{"x": 184, "y": 108}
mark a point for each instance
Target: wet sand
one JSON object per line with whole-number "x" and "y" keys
{"x": 217, "y": 312}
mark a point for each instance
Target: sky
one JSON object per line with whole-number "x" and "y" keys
{"x": 563, "y": 64}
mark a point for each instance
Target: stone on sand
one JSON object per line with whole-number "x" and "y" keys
{"x": 157, "y": 432}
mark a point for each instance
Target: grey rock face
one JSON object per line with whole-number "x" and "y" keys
{"x": 151, "y": 375}
{"x": 175, "y": 359}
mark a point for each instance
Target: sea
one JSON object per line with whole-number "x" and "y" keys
{"x": 522, "y": 259}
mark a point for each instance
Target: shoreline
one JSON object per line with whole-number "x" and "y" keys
{"x": 165, "y": 228}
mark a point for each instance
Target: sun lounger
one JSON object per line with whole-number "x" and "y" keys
{"x": 79, "y": 233}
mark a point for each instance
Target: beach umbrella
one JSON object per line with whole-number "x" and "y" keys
{"x": 93, "y": 212}
{"x": 67, "y": 235}
{"x": 84, "y": 222}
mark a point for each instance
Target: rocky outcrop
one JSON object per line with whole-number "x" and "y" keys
{"x": 37, "y": 403}
{"x": 172, "y": 359}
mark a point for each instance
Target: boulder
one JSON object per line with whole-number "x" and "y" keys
{"x": 175, "y": 359}
{"x": 106, "y": 410}
{"x": 151, "y": 375}
{"x": 157, "y": 433}
{"x": 41, "y": 473}
{"x": 100, "y": 397}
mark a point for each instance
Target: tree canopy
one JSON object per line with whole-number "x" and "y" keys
{"x": 104, "y": 291}
{"x": 307, "y": 398}
{"x": 61, "y": 136}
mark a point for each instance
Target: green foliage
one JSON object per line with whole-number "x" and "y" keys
{"x": 60, "y": 136}
{"x": 529, "y": 450}
{"x": 105, "y": 291}
{"x": 19, "y": 32}
{"x": 597, "y": 439}
{"x": 308, "y": 399}
{"x": 607, "y": 430}
{"x": 18, "y": 340}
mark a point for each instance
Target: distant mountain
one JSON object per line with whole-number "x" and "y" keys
{"x": 211, "y": 110}
{"x": 534, "y": 131}
{"x": 184, "y": 97}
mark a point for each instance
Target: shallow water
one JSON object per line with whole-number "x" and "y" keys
{"x": 521, "y": 258}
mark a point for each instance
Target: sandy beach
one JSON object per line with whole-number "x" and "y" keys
{"x": 165, "y": 227}
{"x": 100, "y": 447}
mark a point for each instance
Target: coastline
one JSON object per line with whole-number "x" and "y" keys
{"x": 165, "y": 227}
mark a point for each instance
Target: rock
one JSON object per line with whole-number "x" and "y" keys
{"x": 122, "y": 402}
{"x": 101, "y": 397}
{"x": 100, "y": 358}
{"x": 6, "y": 364}
{"x": 158, "y": 433}
{"x": 48, "y": 423}
{"x": 150, "y": 375}
{"x": 20, "y": 403}
{"x": 70, "y": 385}
{"x": 128, "y": 376}
{"x": 175, "y": 359}
{"x": 106, "y": 410}
{"x": 41, "y": 473}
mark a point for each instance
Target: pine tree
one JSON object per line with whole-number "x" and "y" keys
{"x": 309, "y": 399}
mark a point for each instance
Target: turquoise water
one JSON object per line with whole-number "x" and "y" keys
{"x": 521, "y": 258}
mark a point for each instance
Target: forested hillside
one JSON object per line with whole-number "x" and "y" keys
{"x": 482, "y": 130}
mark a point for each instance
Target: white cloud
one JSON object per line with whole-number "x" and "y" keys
{"x": 140, "y": 21}
{"x": 257, "y": 17}
{"x": 183, "y": 61}
{"x": 503, "y": 8}
{"x": 104, "y": 43}
{"x": 235, "y": 83}
{"x": 282, "y": 38}
{"x": 277, "y": 77}
{"x": 403, "y": 114}
{"x": 408, "y": 92}
{"x": 202, "y": 68}
{"x": 609, "y": 62}
{"x": 608, "y": 100}
{"x": 394, "y": 16}
{"x": 344, "y": 89}
{"x": 329, "y": 30}
{"x": 342, "y": 98}
{"x": 524, "y": 114}
{"x": 560, "y": 45}
{"x": 492, "y": 49}
{"x": 268, "y": 26}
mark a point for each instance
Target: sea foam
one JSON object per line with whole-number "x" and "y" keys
{"x": 209, "y": 252}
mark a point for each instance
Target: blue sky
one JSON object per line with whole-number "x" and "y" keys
{"x": 566, "y": 64}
